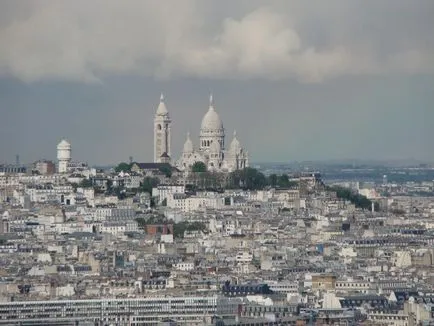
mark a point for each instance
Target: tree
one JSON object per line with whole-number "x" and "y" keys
{"x": 283, "y": 181}
{"x": 198, "y": 167}
{"x": 248, "y": 178}
{"x": 181, "y": 227}
{"x": 164, "y": 202}
{"x": 167, "y": 170}
{"x": 148, "y": 183}
{"x": 86, "y": 183}
{"x": 357, "y": 199}
{"x": 272, "y": 180}
{"x": 253, "y": 179}
{"x": 125, "y": 167}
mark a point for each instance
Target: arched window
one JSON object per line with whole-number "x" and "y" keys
{"x": 159, "y": 127}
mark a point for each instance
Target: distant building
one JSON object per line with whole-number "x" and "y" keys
{"x": 211, "y": 149}
{"x": 152, "y": 169}
{"x": 323, "y": 282}
{"x": 75, "y": 167}
{"x": 44, "y": 167}
{"x": 12, "y": 168}
{"x": 153, "y": 229}
{"x": 63, "y": 156}
{"x": 164, "y": 191}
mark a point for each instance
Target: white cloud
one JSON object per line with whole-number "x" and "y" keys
{"x": 86, "y": 41}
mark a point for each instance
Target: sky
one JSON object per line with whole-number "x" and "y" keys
{"x": 297, "y": 80}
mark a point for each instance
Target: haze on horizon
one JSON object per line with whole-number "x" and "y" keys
{"x": 336, "y": 80}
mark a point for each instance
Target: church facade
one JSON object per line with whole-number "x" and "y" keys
{"x": 212, "y": 146}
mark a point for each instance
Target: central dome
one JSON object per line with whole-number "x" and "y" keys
{"x": 211, "y": 120}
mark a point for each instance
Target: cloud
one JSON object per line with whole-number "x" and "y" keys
{"x": 86, "y": 41}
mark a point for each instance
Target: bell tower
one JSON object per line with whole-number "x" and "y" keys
{"x": 162, "y": 136}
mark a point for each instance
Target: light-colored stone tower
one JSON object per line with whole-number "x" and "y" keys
{"x": 162, "y": 137}
{"x": 63, "y": 156}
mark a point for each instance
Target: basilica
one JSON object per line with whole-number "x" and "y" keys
{"x": 212, "y": 147}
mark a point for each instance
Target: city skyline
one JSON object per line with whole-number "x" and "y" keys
{"x": 321, "y": 85}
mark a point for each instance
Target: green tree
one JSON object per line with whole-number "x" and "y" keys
{"x": 254, "y": 179}
{"x": 358, "y": 200}
{"x": 283, "y": 181}
{"x": 140, "y": 221}
{"x": 248, "y": 178}
{"x": 181, "y": 227}
{"x": 167, "y": 170}
{"x": 86, "y": 183}
{"x": 198, "y": 167}
{"x": 148, "y": 183}
{"x": 164, "y": 202}
{"x": 125, "y": 167}
{"x": 272, "y": 180}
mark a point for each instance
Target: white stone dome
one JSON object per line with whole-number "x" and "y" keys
{"x": 188, "y": 145}
{"x": 64, "y": 145}
{"x": 162, "y": 110}
{"x": 235, "y": 145}
{"x": 211, "y": 120}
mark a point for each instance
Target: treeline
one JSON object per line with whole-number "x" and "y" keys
{"x": 358, "y": 200}
{"x": 165, "y": 169}
{"x": 252, "y": 179}
{"x": 247, "y": 179}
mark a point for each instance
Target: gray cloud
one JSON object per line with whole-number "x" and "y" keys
{"x": 297, "y": 79}
{"x": 88, "y": 40}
